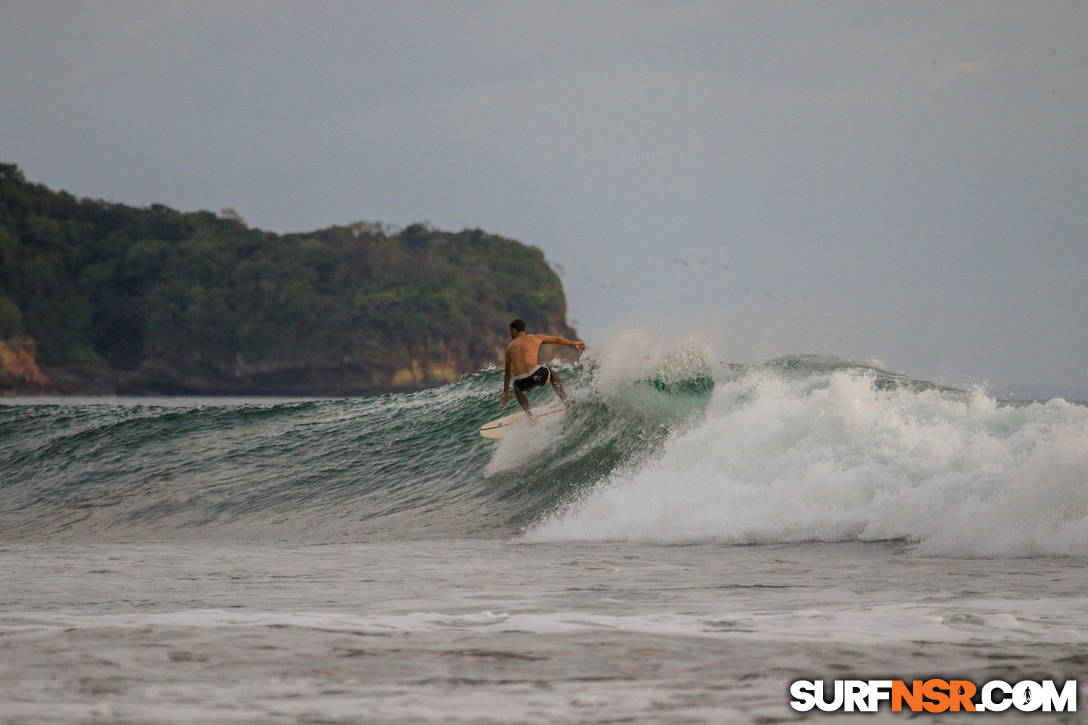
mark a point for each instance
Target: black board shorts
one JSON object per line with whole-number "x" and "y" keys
{"x": 534, "y": 379}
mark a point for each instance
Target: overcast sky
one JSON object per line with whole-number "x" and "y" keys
{"x": 903, "y": 181}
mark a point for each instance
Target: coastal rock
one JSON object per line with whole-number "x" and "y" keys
{"x": 19, "y": 372}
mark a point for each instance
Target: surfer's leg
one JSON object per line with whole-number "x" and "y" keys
{"x": 557, "y": 386}
{"x": 524, "y": 403}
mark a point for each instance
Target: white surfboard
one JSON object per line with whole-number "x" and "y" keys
{"x": 501, "y": 426}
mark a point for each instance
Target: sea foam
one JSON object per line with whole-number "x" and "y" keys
{"x": 836, "y": 456}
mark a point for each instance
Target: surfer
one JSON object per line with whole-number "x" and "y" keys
{"x": 528, "y": 373}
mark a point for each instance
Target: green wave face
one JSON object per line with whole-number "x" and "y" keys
{"x": 394, "y": 466}
{"x": 661, "y": 447}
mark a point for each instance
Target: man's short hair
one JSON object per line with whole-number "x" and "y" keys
{"x": 518, "y": 324}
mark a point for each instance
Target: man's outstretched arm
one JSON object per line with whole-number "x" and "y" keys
{"x": 550, "y": 340}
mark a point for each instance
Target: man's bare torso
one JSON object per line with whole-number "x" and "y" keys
{"x": 522, "y": 353}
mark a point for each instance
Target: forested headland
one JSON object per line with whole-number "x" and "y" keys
{"x": 101, "y": 297}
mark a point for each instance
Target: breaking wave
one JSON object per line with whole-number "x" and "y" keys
{"x": 665, "y": 445}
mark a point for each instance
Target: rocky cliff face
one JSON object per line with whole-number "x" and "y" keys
{"x": 308, "y": 372}
{"x": 19, "y": 372}
{"x": 295, "y": 372}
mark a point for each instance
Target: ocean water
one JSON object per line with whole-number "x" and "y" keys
{"x": 685, "y": 542}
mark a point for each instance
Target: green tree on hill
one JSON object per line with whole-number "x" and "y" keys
{"x": 194, "y": 301}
